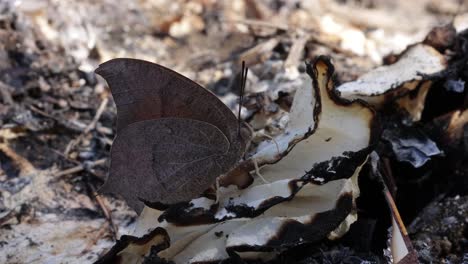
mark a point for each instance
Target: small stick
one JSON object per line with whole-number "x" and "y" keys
{"x": 105, "y": 210}
{"x": 396, "y": 216}
{"x": 79, "y": 168}
{"x": 38, "y": 111}
{"x": 259, "y": 23}
{"x": 387, "y": 171}
{"x": 89, "y": 127}
{"x": 257, "y": 171}
{"x": 98, "y": 114}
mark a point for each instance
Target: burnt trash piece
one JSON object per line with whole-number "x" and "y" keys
{"x": 158, "y": 235}
{"x": 457, "y": 86}
{"x": 411, "y": 145}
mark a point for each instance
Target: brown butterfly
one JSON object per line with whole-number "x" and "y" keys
{"x": 174, "y": 137}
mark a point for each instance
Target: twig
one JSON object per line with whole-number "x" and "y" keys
{"x": 105, "y": 210}
{"x": 64, "y": 157}
{"x": 314, "y": 36}
{"x": 80, "y": 167}
{"x": 98, "y": 114}
{"x": 22, "y": 163}
{"x": 104, "y": 130}
{"x": 387, "y": 171}
{"x": 257, "y": 171}
{"x": 88, "y": 128}
{"x": 258, "y": 23}
{"x": 42, "y": 113}
{"x": 395, "y": 214}
{"x": 99, "y": 201}
{"x": 296, "y": 51}
{"x": 258, "y": 53}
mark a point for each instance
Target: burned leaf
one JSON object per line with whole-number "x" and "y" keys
{"x": 170, "y": 132}
{"x": 137, "y": 247}
{"x": 303, "y": 120}
{"x": 411, "y": 145}
{"x": 457, "y": 86}
{"x": 416, "y": 60}
{"x": 297, "y": 200}
{"x": 340, "y": 126}
{"x": 408, "y": 73}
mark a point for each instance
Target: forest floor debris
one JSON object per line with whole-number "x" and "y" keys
{"x": 57, "y": 118}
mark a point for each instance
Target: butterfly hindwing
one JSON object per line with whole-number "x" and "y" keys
{"x": 168, "y": 160}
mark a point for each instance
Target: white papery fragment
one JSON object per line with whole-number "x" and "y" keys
{"x": 342, "y": 127}
{"x": 302, "y": 120}
{"x": 407, "y": 72}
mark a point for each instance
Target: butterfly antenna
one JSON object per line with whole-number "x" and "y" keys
{"x": 244, "y": 72}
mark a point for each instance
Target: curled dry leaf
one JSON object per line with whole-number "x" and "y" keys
{"x": 305, "y": 196}
{"x": 303, "y": 121}
{"x": 157, "y": 236}
{"x": 411, "y": 145}
{"x": 409, "y": 75}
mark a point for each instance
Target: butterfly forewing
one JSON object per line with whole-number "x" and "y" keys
{"x": 144, "y": 90}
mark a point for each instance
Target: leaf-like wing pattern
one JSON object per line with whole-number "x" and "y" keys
{"x": 168, "y": 160}
{"x": 143, "y": 91}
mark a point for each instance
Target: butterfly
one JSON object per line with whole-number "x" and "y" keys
{"x": 174, "y": 137}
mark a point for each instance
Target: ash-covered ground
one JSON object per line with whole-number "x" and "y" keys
{"x": 57, "y": 117}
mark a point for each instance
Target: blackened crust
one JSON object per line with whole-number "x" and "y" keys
{"x": 112, "y": 257}
{"x": 293, "y": 233}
